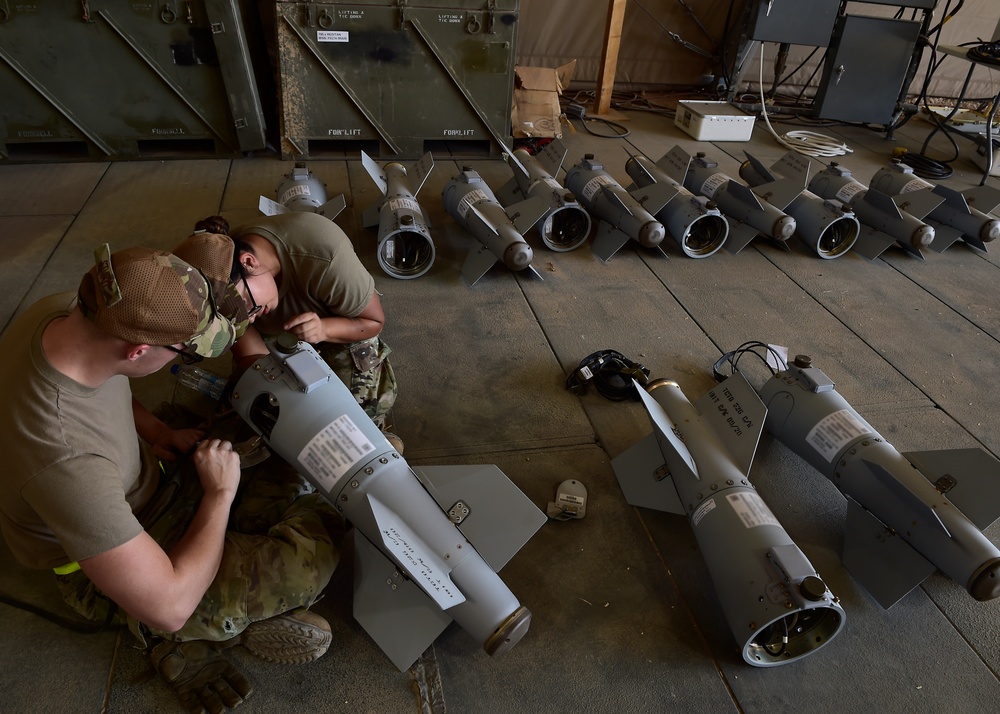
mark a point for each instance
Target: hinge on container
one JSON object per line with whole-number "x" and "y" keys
{"x": 491, "y": 7}
{"x": 217, "y": 28}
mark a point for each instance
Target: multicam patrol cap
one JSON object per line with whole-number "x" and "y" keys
{"x": 152, "y": 297}
{"x": 212, "y": 254}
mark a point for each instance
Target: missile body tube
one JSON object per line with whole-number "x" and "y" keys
{"x": 694, "y": 222}
{"x": 896, "y": 181}
{"x": 807, "y": 415}
{"x": 471, "y": 202}
{"x": 703, "y": 179}
{"x": 836, "y": 183}
{"x": 566, "y": 225}
{"x": 765, "y": 584}
{"x": 822, "y": 224}
{"x": 309, "y": 418}
{"x": 608, "y": 200}
{"x": 405, "y": 247}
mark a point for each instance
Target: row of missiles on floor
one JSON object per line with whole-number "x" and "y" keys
{"x": 700, "y": 207}
{"x": 429, "y": 541}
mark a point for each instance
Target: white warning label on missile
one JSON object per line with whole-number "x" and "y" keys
{"x": 397, "y": 204}
{"x": 329, "y": 454}
{"x": 848, "y": 191}
{"x": 752, "y": 510}
{"x": 916, "y": 184}
{"x": 468, "y": 200}
{"x": 332, "y": 36}
{"x": 713, "y": 183}
{"x": 299, "y": 189}
{"x": 702, "y": 510}
{"x": 835, "y": 431}
{"x": 595, "y": 184}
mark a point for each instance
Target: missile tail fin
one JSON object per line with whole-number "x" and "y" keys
{"x": 881, "y": 561}
{"x": 420, "y": 171}
{"x": 270, "y": 207}
{"x": 743, "y": 194}
{"x": 395, "y": 613}
{"x": 944, "y": 237}
{"x": 375, "y": 171}
{"x": 527, "y": 213}
{"x": 641, "y": 473}
{"x": 493, "y": 513}
{"x": 952, "y": 198}
{"x": 794, "y": 164}
{"x": 478, "y": 262}
{"x": 983, "y": 198}
{"x": 779, "y": 193}
{"x": 675, "y": 164}
{"x": 740, "y": 234}
{"x": 332, "y": 208}
{"x": 872, "y": 243}
{"x": 736, "y": 414}
{"x": 919, "y": 203}
{"x": 969, "y": 478}
{"x": 679, "y": 460}
{"x": 608, "y": 241}
{"x": 655, "y": 196}
{"x": 551, "y": 157}
{"x": 761, "y": 170}
{"x": 509, "y": 193}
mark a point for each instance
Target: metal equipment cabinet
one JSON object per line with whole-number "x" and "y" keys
{"x": 396, "y": 79}
{"x": 106, "y": 79}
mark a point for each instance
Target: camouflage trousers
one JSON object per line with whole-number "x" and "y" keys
{"x": 280, "y": 551}
{"x": 364, "y": 367}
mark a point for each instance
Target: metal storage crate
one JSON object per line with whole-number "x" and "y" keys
{"x": 396, "y": 79}
{"x": 104, "y": 79}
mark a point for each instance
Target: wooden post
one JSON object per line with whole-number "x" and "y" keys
{"x": 609, "y": 56}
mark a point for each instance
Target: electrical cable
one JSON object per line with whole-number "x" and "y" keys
{"x": 611, "y": 373}
{"x": 925, "y": 167}
{"x": 769, "y": 356}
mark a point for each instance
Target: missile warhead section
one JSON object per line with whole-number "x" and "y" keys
{"x": 825, "y": 225}
{"x": 884, "y": 221}
{"x": 623, "y": 215}
{"x": 428, "y": 541}
{"x": 301, "y": 191}
{"x": 962, "y": 215}
{"x": 751, "y": 212}
{"x": 405, "y": 248}
{"x": 694, "y": 222}
{"x": 907, "y": 514}
{"x": 471, "y": 202}
{"x": 696, "y": 464}
{"x": 565, "y": 225}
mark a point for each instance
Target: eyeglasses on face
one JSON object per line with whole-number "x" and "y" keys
{"x": 186, "y": 357}
{"x": 254, "y": 307}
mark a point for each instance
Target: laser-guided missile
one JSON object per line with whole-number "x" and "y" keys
{"x": 300, "y": 191}
{"x": 751, "y": 212}
{"x": 961, "y": 216}
{"x": 695, "y": 222}
{"x": 405, "y": 248}
{"x": 823, "y": 224}
{"x": 500, "y": 231}
{"x": 565, "y": 224}
{"x": 907, "y": 514}
{"x": 428, "y": 542}
{"x": 696, "y": 463}
{"x": 885, "y": 220}
{"x": 622, "y": 214}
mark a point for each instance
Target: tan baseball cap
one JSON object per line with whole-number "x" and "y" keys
{"x": 212, "y": 254}
{"x": 152, "y": 297}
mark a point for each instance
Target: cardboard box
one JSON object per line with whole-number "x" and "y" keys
{"x": 714, "y": 121}
{"x": 535, "y": 111}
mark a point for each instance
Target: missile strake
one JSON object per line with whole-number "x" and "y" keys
{"x": 500, "y": 231}
{"x": 962, "y": 215}
{"x": 907, "y": 514}
{"x": 825, "y": 225}
{"x": 565, "y": 225}
{"x": 751, "y": 212}
{"x": 299, "y": 191}
{"x": 694, "y": 222}
{"x": 429, "y": 541}
{"x": 696, "y": 463}
{"x": 405, "y": 248}
{"x": 622, "y": 214}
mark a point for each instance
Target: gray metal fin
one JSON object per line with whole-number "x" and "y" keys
{"x": 375, "y": 171}
{"x": 551, "y": 157}
{"x": 739, "y": 235}
{"x": 673, "y": 450}
{"x": 509, "y": 193}
{"x": 914, "y": 502}
{"x": 779, "y": 193}
{"x": 478, "y": 263}
{"x": 395, "y": 613}
{"x": 736, "y": 414}
{"x": 497, "y": 518}
{"x": 370, "y": 217}
{"x": 332, "y": 208}
{"x": 675, "y": 164}
{"x": 944, "y": 237}
{"x": 655, "y": 196}
{"x": 608, "y": 241}
{"x": 872, "y": 243}
{"x": 527, "y": 213}
{"x": 952, "y": 198}
{"x": 880, "y": 560}
{"x": 762, "y": 170}
{"x": 743, "y": 194}
{"x": 969, "y": 478}
{"x": 794, "y": 164}
{"x": 983, "y": 198}
{"x": 641, "y": 473}
{"x": 420, "y": 171}
{"x": 918, "y": 203}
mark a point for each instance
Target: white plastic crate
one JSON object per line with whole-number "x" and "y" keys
{"x": 714, "y": 121}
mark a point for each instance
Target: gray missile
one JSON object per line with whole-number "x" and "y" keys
{"x": 500, "y": 231}
{"x": 694, "y": 222}
{"x": 565, "y": 224}
{"x": 405, "y": 248}
{"x": 962, "y": 214}
{"x": 907, "y": 514}
{"x": 751, "y": 212}
{"x": 884, "y": 220}
{"x": 695, "y": 463}
{"x": 622, "y": 214}
{"x": 428, "y": 541}
{"x": 825, "y": 225}
{"x": 300, "y": 191}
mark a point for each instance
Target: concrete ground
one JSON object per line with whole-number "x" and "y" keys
{"x": 625, "y": 617}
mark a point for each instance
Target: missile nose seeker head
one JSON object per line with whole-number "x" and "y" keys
{"x": 784, "y": 227}
{"x": 651, "y": 234}
{"x": 922, "y": 237}
{"x": 990, "y": 231}
{"x": 518, "y": 256}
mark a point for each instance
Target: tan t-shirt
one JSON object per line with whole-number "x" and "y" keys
{"x": 74, "y": 467}
{"x": 320, "y": 272}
